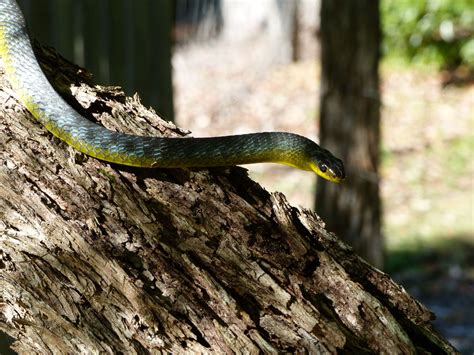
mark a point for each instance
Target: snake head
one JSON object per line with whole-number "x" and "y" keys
{"x": 328, "y": 166}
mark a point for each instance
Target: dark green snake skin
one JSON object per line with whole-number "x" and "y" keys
{"x": 36, "y": 93}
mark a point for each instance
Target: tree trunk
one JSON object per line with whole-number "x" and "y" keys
{"x": 127, "y": 42}
{"x": 349, "y": 123}
{"x": 286, "y": 39}
{"x": 101, "y": 258}
{"x": 158, "y": 72}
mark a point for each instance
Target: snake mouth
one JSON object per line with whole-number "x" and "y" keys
{"x": 329, "y": 168}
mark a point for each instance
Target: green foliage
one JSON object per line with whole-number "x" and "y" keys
{"x": 430, "y": 31}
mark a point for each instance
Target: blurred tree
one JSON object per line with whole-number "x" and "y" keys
{"x": 349, "y": 123}
{"x": 126, "y": 43}
{"x": 162, "y": 56}
{"x": 197, "y": 20}
{"x": 295, "y": 32}
{"x": 288, "y": 38}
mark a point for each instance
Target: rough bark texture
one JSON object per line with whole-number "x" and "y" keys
{"x": 350, "y": 123}
{"x": 99, "y": 258}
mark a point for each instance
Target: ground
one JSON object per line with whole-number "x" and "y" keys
{"x": 427, "y": 165}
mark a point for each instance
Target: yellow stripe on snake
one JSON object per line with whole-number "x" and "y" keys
{"x": 37, "y": 94}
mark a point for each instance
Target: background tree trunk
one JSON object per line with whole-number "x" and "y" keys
{"x": 160, "y": 58}
{"x": 101, "y": 258}
{"x": 287, "y": 40}
{"x": 350, "y": 123}
{"x": 127, "y": 42}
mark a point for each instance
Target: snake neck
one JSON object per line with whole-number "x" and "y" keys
{"x": 276, "y": 147}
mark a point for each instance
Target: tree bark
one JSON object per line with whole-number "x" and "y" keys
{"x": 102, "y": 258}
{"x": 350, "y": 123}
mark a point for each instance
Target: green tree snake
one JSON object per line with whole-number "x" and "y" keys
{"x": 47, "y": 106}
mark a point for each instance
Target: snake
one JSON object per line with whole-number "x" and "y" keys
{"x": 37, "y": 94}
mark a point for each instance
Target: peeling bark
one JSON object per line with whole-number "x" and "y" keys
{"x": 102, "y": 258}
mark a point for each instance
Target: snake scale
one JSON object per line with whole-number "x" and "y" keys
{"x": 48, "y": 107}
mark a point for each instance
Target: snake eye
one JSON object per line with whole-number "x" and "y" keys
{"x": 322, "y": 167}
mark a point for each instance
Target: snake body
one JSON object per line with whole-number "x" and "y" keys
{"x": 48, "y": 107}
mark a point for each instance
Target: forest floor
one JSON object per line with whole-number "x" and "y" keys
{"x": 427, "y": 160}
